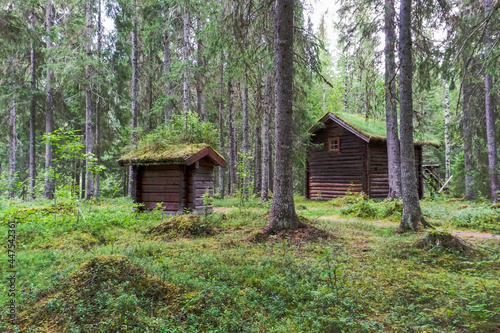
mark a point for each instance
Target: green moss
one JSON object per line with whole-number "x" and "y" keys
{"x": 444, "y": 240}
{"x": 107, "y": 288}
{"x": 159, "y": 152}
{"x": 180, "y": 226}
{"x": 73, "y": 240}
{"x": 373, "y": 129}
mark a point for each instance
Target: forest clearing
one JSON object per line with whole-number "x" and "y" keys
{"x": 207, "y": 276}
{"x": 249, "y": 166}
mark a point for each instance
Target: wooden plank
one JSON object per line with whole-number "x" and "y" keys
{"x": 148, "y": 188}
{"x": 160, "y": 180}
{"x": 172, "y": 206}
{"x": 160, "y": 197}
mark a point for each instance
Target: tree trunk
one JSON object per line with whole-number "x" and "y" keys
{"x": 166, "y": 71}
{"x": 221, "y": 127}
{"x": 49, "y": 186}
{"x": 469, "y": 162}
{"x": 412, "y": 213}
{"x": 88, "y": 104}
{"x": 199, "y": 78}
{"x": 185, "y": 54}
{"x": 133, "y": 124}
{"x": 12, "y": 149}
{"x": 97, "y": 189}
{"x": 447, "y": 149}
{"x": 32, "y": 165}
{"x": 258, "y": 137}
{"x": 83, "y": 175}
{"x": 490, "y": 117}
{"x": 283, "y": 214}
{"x": 266, "y": 153}
{"x": 245, "y": 139}
{"x": 393, "y": 154}
{"x": 233, "y": 180}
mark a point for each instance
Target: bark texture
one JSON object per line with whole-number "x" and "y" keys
{"x": 490, "y": 117}
{"x": 185, "y": 55}
{"x": 233, "y": 180}
{"x": 132, "y": 188}
{"x": 221, "y": 126}
{"x": 49, "y": 186}
{"x": 97, "y": 188}
{"x": 32, "y": 150}
{"x": 393, "y": 151}
{"x": 166, "y": 71}
{"x": 467, "y": 134}
{"x": 412, "y": 213}
{"x": 12, "y": 149}
{"x": 447, "y": 146}
{"x": 266, "y": 153}
{"x": 245, "y": 139}
{"x": 89, "y": 186}
{"x": 283, "y": 214}
{"x": 199, "y": 75}
{"x": 258, "y": 138}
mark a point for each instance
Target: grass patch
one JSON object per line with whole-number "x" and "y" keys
{"x": 365, "y": 279}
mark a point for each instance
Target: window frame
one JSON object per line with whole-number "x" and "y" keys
{"x": 334, "y": 138}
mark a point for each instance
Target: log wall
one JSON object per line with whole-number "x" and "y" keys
{"x": 358, "y": 166}
{"x": 200, "y": 178}
{"x": 331, "y": 174}
{"x": 160, "y": 184}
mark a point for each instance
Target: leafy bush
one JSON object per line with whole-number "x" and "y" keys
{"x": 481, "y": 218}
{"x": 362, "y": 209}
{"x": 184, "y": 128}
{"x": 359, "y": 205}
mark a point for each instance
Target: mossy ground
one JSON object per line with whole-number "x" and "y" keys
{"x": 364, "y": 279}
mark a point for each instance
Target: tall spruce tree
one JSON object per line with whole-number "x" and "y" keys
{"x": 283, "y": 215}
{"x": 412, "y": 213}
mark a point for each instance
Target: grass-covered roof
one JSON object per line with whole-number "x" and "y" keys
{"x": 370, "y": 128}
{"x": 162, "y": 153}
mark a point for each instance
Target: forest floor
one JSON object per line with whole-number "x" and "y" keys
{"x": 99, "y": 267}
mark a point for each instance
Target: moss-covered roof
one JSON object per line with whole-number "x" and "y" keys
{"x": 369, "y": 129}
{"x": 170, "y": 154}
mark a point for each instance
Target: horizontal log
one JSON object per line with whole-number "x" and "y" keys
{"x": 336, "y": 184}
{"x": 335, "y": 179}
{"x": 161, "y": 181}
{"x": 149, "y": 188}
{"x": 160, "y": 173}
{"x": 160, "y": 197}
{"x": 161, "y": 167}
{"x": 166, "y": 205}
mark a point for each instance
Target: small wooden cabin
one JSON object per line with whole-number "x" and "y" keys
{"x": 352, "y": 158}
{"x": 175, "y": 176}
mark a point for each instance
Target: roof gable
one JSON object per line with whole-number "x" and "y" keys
{"x": 183, "y": 154}
{"x": 367, "y": 129}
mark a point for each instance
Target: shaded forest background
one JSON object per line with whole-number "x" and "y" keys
{"x": 203, "y": 70}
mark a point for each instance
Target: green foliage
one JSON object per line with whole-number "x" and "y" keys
{"x": 359, "y": 205}
{"x": 181, "y": 226}
{"x": 184, "y": 128}
{"x": 480, "y": 217}
{"x": 243, "y": 174}
{"x": 111, "y": 271}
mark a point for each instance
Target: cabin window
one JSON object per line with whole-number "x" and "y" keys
{"x": 334, "y": 144}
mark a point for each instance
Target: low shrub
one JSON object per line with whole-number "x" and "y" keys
{"x": 481, "y": 218}
{"x": 181, "y": 226}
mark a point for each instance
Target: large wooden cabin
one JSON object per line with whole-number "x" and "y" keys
{"x": 351, "y": 159}
{"x": 173, "y": 176}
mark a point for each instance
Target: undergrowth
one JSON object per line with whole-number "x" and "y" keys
{"x": 94, "y": 267}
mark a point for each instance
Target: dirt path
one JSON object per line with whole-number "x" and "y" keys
{"x": 483, "y": 235}
{"x": 459, "y": 233}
